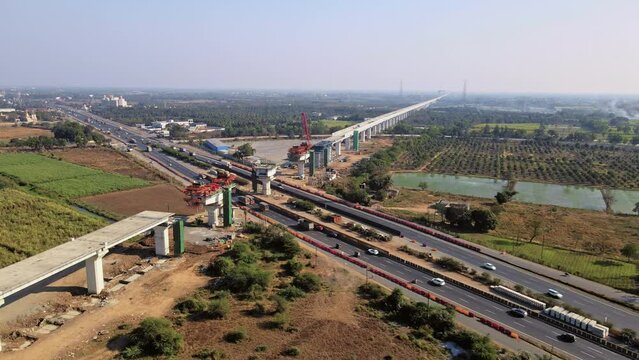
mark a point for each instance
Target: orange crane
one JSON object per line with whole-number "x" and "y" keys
{"x": 303, "y": 148}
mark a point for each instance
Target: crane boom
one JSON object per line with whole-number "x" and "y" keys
{"x": 307, "y": 131}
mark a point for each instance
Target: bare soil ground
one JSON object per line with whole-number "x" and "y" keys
{"x": 162, "y": 197}
{"x": 22, "y": 132}
{"x": 326, "y": 327}
{"x": 108, "y": 160}
{"x": 86, "y": 335}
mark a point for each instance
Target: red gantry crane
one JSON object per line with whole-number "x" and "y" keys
{"x": 300, "y": 153}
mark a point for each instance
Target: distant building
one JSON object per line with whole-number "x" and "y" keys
{"x": 216, "y": 146}
{"x": 164, "y": 123}
{"x": 7, "y": 110}
{"x": 114, "y": 101}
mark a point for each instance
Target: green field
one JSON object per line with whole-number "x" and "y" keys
{"x": 617, "y": 274}
{"x": 52, "y": 176}
{"x": 528, "y": 127}
{"x": 337, "y": 123}
{"x": 30, "y": 224}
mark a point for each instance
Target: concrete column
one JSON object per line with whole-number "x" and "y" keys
{"x": 338, "y": 148}
{"x": 300, "y": 168}
{"x": 347, "y": 144}
{"x": 95, "y": 275}
{"x": 213, "y": 211}
{"x": 370, "y": 133}
{"x": 363, "y": 134}
{"x": 266, "y": 186}
{"x": 161, "y": 236}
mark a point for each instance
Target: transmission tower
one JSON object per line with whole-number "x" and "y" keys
{"x": 464, "y": 92}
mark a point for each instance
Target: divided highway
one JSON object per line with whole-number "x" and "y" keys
{"x": 582, "y": 349}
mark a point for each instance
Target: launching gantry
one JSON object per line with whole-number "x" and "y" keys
{"x": 214, "y": 196}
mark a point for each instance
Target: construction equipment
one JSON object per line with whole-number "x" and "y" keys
{"x": 300, "y": 153}
{"x": 197, "y": 193}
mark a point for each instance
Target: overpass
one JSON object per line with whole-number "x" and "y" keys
{"x": 352, "y": 136}
{"x": 90, "y": 248}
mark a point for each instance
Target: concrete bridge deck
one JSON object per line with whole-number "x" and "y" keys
{"x": 21, "y": 275}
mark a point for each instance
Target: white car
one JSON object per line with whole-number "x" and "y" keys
{"x": 489, "y": 266}
{"x": 373, "y": 252}
{"x": 438, "y": 282}
{"x": 554, "y": 293}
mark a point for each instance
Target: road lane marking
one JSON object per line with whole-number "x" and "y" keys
{"x": 492, "y": 312}
{"x": 552, "y": 338}
{"x": 585, "y": 353}
{"x": 595, "y": 350}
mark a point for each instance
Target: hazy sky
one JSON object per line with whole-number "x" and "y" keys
{"x": 498, "y": 45}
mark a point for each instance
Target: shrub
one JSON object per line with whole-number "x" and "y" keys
{"x": 303, "y": 205}
{"x": 218, "y": 308}
{"x": 308, "y": 282}
{"x": 258, "y": 309}
{"x": 253, "y": 228}
{"x": 277, "y": 239}
{"x": 281, "y": 304}
{"x": 243, "y": 277}
{"x": 371, "y": 291}
{"x": 293, "y": 267}
{"x": 210, "y": 354}
{"x": 292, "y": 351}
{"x": 291, "y": 293}
{"x": 243, "y": 252}
{"x": 221, "y": 266}
{"x": 236, "y": 336}
{"x": 449, "y": 263}
{"x": 191, "y": 305}
{"x": 280, "y": 321}
{"x": 261, "y": 348}
{"x": 153, "y": 337}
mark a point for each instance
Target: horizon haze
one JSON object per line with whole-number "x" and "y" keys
{"x": 500, "y": 46}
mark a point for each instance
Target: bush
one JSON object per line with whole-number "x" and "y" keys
{"x": 291, "y": 293}
{"x": 451, "y": 264}
{"x": 371, "y": 291}
{"x": 308, "y": 282}
{"x": 293, "y": 267}
{"x": 303, "y": 205}
{"x": 253, "y": 228}
{"x": 261, "y": 348}
{"x": 210, "y": 354}
{"x": 292, "y": 351}
{"x": 236, "y": 336}
{"x": 153, "y": 337}
{"x": 280, "y": 321}
{"x": 243, "y": 277}
{"x": 218, "y": 309}
{"x": 281, "y": 304}
{"x": 258, "y": 309}
{"x": 277, "y": 239}
{"x": 243, "y": 252}
{"x": 191, "y": 305}
{"x": 220, "y": 267}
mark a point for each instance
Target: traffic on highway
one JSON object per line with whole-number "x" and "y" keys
{"x": 543, "y": 332}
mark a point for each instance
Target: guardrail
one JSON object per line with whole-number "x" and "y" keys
{"x": 484, "y": 320}
{"x": 410, "y": 224}
{"x": 485, "y": 294}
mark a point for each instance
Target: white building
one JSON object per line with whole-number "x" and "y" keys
{"x": 114, "y": 101}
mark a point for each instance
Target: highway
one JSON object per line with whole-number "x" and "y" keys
{"x": 582, "y": 349}
{"x": 533, "y": 328}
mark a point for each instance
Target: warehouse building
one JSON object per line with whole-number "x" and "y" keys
{"x": 216, "y": 146}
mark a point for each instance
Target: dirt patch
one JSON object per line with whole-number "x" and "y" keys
{"x": 162, "y": 197}
{"x": 324, "y": 325}
{"x": 23, "y": 132}
{"x": 108, "y": 160}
